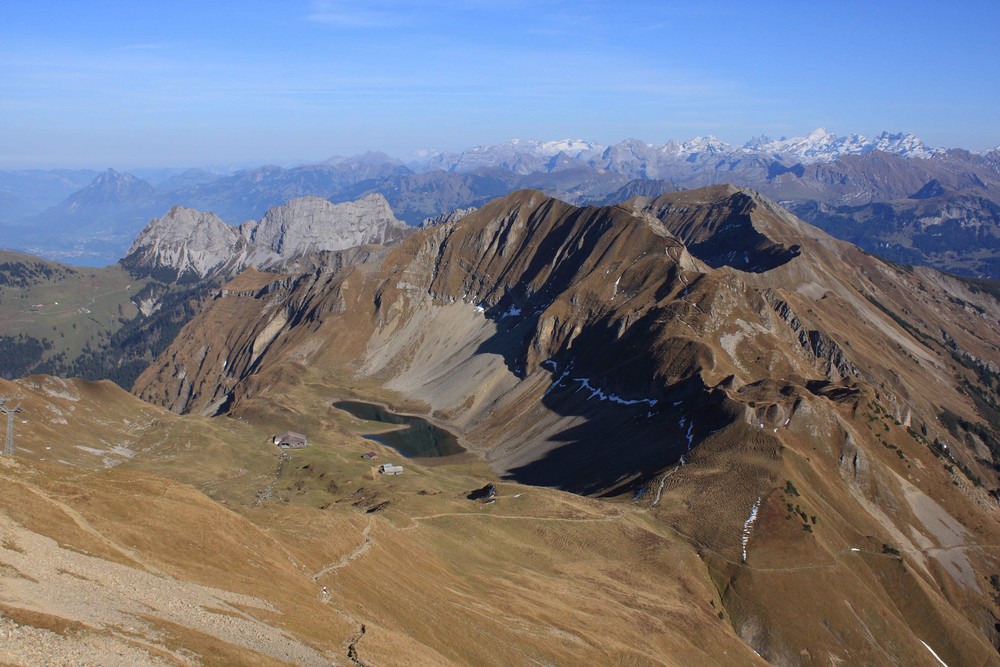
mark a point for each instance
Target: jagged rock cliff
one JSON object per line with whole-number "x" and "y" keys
{"x": 185, "y": 243}
{"x": 188, "y": 244}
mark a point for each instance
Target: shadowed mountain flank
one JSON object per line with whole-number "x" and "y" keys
{"x": 720, "y": 227}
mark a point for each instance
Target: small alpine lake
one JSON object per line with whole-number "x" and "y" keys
{"x": 417, "y": 438}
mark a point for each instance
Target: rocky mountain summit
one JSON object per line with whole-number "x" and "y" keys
{"x": 186, "y": 244}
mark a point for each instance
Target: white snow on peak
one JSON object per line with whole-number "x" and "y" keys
{"x": 710, "y": 144}
{"x": 906, "y": 145}
{"x": 637, "y": 158}
{"x": 572, "y": 147}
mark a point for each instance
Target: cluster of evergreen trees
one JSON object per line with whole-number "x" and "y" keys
{"x": 120, "y": 357}
{"x": 21, "y": 355}
{"x": 23, "y": 274}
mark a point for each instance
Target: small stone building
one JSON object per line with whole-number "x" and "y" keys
{"x": 390, "y": 469}
{"x": 290, "y": 440}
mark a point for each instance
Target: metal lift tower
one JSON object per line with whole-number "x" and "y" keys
{"x": 8, "y": 447}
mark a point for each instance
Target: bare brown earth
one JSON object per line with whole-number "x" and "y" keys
{"x": 710, "y": 376}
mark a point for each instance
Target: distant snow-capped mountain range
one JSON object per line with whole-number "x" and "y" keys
{"x": 524, "y": 156}
{"x": 949, "y": 198}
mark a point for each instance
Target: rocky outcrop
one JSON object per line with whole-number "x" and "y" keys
{"x": 312, "y": 224}
{"x": 828, "y": 356}
{"x": 451, "y": 216}
{"x": 186, "y": 244}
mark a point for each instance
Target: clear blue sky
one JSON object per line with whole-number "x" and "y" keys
{"x": 158, "y": 83}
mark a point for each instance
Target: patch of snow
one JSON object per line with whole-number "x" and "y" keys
{"x": 601, "y": 395}
{"x": 513, "y": 311}
{"x": 748, "y": 526}
{"x": 595, "y": 392}
{"x": 936, "y": 657}
{"x": 557, "y": 382}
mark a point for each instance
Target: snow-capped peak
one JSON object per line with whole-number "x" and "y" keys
{"x": 821, "y": 145}
{"x": 710, "y": 144}
{"x": 636, "y": 158}
{"x": 519, "y": 155}
{"x": 906, "y": 145}
{"x": 571, "y": 147}
{"x": 821, "y": 135}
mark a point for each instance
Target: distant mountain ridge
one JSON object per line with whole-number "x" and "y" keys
{"x": 820, "y": 145}
{"x": 812, "y": 174}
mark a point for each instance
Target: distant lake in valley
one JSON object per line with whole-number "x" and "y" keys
{"x": 418, "y": 439}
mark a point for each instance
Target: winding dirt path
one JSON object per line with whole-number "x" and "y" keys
{"x": 354, "y": 555}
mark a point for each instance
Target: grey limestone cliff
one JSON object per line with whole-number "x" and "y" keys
{"x": 186, "y": 244}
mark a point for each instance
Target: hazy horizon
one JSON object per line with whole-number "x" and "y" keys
{"x": 151, "y": 85}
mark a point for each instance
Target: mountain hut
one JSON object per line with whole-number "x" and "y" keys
{"x": 290, "y": 440}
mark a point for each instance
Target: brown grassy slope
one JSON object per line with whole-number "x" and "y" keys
{"x": 434, "y": 578}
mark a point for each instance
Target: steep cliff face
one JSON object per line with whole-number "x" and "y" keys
{"x": 184, "y": 243}
{"x": 188, "y": 244}
{"x": 312, "y": 224}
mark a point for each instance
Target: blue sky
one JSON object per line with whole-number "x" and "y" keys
{"x": 130, "y": 84}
